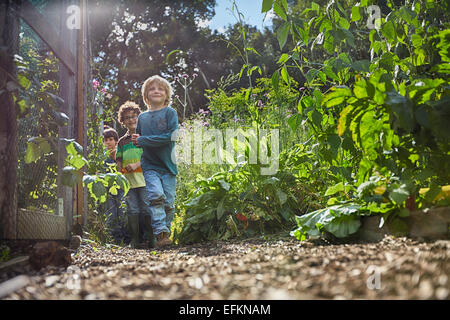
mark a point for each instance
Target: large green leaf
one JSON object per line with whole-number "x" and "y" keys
{"x": 370, "y": 129}
{"x": 315, "y": 7}
{"x": 99, "y": 190}
{"x": 266, "y": 5}
{"x": 304, "y": 34}
{"x": 388, "y": 30}
{"x": 356, "y": 13}
{"x": 123, "y": 183}
{"x": 36, "y": 148}
{"x": 284, "y": 58}
{"x": 341, "y": 220}
{"x": 343, "y": 227}
{"x": 407, "y": 14}
{"x": 276, "y": 80}
{"x": 72, "y": 147}
{"x": 337, "y": 96}
{"x": 344, "y": 23}
{"x": 399, "y": 194}
{"x": 294, "y": 121}
{"x": 78, "y": 162}
{"x": 285, "y": 76}
{"x": 363, "y": 89}
{"x": 344, "y": 119}
{"x": 318, "y": 217}
{"x": 280, "y": 11}
{"x": 328, "y": 70}
{"x": 335, "y": 189}
{"x": 109, "y": 178}
{"x": 328, "y": 43}
{"x": 282, "y": 34}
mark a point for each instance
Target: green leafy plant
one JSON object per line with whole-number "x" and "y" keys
{"x": 237, "y": 202}
{"x": 378, "y": 112}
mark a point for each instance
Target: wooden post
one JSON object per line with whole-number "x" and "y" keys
{"x": 82, "y": 87}
{"x": 67, "y": 91}
{"x": 80, "y": 109}
{"x": 86, "y": 84}
{"x": 9, "y": 41}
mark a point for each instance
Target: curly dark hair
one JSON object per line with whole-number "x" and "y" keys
{"x": 126, "y": 107}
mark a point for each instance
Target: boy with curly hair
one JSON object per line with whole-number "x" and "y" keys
{"x": 128, "y": 162}
{"x": 155, "y": 133}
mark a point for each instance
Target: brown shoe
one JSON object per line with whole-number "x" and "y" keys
{"x": 163, "y": 240}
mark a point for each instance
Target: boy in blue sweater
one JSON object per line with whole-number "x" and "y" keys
{"x": 156, "y": 134}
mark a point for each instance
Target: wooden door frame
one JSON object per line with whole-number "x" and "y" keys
{"x": 69, "y": 46}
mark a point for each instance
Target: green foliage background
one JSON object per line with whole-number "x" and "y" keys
{"x": 359, "y": 109}
{"x": 368, "y": 119}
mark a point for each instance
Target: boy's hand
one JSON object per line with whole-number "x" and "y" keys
{"x": 134, "y": 138}
{"x": 112, "y": 153}
{"x": 132, "y": 166}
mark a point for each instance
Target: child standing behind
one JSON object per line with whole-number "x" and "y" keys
{"x": 128, "y": 162}
{"x": 154, "y": 133}
{"x": 114, "y": 214}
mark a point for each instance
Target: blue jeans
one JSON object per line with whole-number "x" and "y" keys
{"x": 137, "y": 201}
{"x": 161, "y": 189}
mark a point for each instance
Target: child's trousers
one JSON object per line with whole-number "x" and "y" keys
{"x": 161, "y": 189}
{"x": 138, "y": 203}
{"x": 115, "y": 217}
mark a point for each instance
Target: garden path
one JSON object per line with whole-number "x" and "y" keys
{"x": 279, "y": 268}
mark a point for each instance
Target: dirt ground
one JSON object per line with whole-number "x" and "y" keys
{"x": 395, "y": 268}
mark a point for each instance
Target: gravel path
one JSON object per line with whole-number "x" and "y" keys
{"x": 395, "y": 268}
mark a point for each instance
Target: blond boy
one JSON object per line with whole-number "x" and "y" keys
{"x": 155, "y": 133}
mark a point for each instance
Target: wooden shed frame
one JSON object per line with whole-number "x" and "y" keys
{"x": 70, "y": 46}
